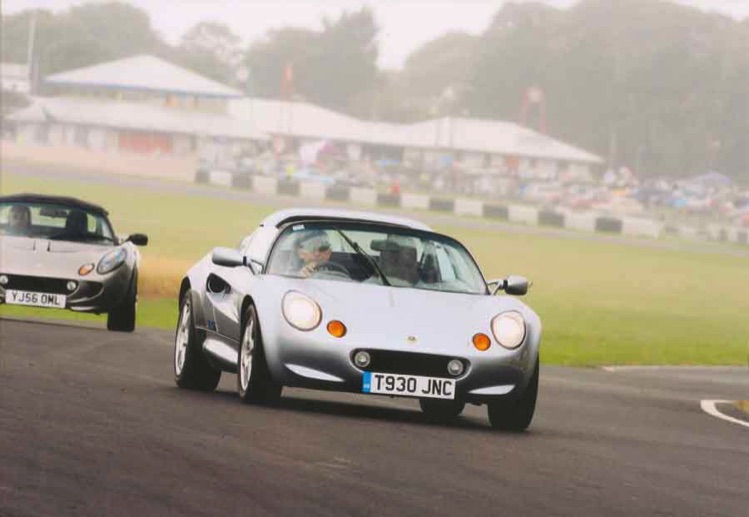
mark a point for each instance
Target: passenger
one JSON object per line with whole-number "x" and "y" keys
{"x": 20, "y": 220}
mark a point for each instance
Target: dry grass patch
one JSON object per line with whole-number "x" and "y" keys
{"x": 160, "y": 277}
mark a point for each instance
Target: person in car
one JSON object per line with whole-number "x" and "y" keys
{"x": 19, "y": 220}
{"x": 313, "y": 250}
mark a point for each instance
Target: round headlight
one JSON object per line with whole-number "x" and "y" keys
{"x": 3, "y": 280}
{"x": 71, "y": 286}
{"x": 509, "y": 329}
{"x": 301, "y": 311}
{"x": 111, "y": 261}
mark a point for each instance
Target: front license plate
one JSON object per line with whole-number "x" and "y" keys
{"x": 408, "y": 385}
{"x": 13, "y": 297}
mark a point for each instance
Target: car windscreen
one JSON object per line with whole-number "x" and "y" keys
{"x": 40, "y": 220}
{"x": 378, "y": 254}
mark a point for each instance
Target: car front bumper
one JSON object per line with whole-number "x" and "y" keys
{"x": 97, "y": 295}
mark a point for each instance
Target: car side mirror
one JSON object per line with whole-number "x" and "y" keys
{"x": 513, "y": 284}
{"x": 227, "y": 257}
{"x": 139, "y": 239}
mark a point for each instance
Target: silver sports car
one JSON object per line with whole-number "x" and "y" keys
{"x": 359, "y": 302}
{"x": 62, "y": 252}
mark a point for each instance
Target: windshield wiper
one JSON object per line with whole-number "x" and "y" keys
{"x": 364, "y": 254}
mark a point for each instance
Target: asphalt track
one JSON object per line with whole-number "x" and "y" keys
{"x": 92, "y": 424}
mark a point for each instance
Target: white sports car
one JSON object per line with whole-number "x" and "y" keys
{"x": 359, "y": 302}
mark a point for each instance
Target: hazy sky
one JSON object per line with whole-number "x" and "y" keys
{"x": 404, "y": 25}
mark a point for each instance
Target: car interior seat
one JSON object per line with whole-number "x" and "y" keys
{"x": 76, "y": 222}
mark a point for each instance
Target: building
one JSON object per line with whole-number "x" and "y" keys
{"x": 14, "y": 78}
{"x": 140, "y": 104}
{"x": 144, "y": 104}
{"x": 475, "y": 146}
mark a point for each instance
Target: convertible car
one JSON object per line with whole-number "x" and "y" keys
{"x": 364, "y": 303}
{"x": 61, "y": 252}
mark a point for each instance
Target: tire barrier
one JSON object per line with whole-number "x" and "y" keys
{"x": 386, "y": 199}
{"x": 608, "y": 225}
{"x": 496, "y": 212}
{"x": 338, "y": 193}
{"x": 441, "y": 204}
{"x": 202, "y": 176}
{"x": 588, "y": 222}
{"x": 286, "y": 187}
{"x": 550, "y": 218}
{"x": 243, "y": 181}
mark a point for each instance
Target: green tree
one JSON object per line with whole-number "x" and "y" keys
{"x": 212, "y": 49}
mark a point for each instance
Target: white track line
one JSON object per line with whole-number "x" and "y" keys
{"x": 709, "y": 407}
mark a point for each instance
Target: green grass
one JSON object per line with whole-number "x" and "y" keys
{"x": 159, "y": 313}
{"x": 600, "y": 302}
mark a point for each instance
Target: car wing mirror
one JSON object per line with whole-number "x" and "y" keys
{"x": 227, "y": 257}
{"x": 139, "y": 239}
{"x": 513, "y": 284}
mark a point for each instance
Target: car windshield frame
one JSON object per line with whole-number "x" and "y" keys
{"x": 38, "y": 230}
{"x": 346, "y": 226}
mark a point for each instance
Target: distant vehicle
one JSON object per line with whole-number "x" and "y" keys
{"x": 547, "y": 194}
{"x": 363, "y": 303}
{"x": 620, "y": 205}
{"x": 60, "y": 252}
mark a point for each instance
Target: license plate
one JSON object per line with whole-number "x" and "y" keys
{"x": 408, "y": 385}
{"x": 13, "y": 297}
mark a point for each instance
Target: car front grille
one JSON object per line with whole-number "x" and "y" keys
{"x": 39, "y": 284}
{"x": 410, "y": 363}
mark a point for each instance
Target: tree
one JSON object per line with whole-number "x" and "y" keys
{"x": 330, "y": 67}
{"x": 212, "y": 49}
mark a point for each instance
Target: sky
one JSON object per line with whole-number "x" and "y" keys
{"x": 404, "y": 25}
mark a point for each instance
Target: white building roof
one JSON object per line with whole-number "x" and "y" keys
{"x": 301, "y": 119}
{"x": 136, "y": 116}
{"x": 145, "y": 73}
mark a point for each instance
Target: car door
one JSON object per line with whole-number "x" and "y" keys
{"x": 226, "y": 287}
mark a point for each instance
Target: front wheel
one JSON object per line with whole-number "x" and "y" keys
{"x": 254, "y": 382}
{"x": 191, "y": 368}
{"x": 122, "y": 317}
{"x": 516, "y": 415}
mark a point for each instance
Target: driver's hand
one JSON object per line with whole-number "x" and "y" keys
{"x": 307, "y": 270}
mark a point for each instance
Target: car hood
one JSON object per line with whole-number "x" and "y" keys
{"x": 440, "y": 322}
{"x": 42, "y": 257}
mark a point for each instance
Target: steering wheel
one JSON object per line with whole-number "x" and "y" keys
{"x": 333, "y": 268}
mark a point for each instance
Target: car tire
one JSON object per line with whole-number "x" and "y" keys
{"x": 122, "y": 317}
{"x": 441, "y": 411}
{"x": 191, "y": 368}
{"x": 254, "y": 382}
{"x": 516, "y": 414}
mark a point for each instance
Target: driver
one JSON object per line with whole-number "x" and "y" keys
{"x": 313, "y": 249}
{"x": 20, "y": 220}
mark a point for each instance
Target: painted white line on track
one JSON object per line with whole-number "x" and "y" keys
{"x": 667, "y": 367}
{"x": 710, "y": 407}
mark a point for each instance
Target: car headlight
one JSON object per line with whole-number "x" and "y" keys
{"x": 509, "y": 329}
{"x": 111, "y": 261}
{"x": 301, "y": 311}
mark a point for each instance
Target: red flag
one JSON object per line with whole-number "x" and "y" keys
{"x": 287, "y": 82}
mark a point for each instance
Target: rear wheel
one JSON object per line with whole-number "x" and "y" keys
{"x": 122, "y": 317}
{"x": 516, "y": 414}
{"x": 191, "y": 368}
{"x": 254, "y": 382}
{"x": 442, "y": 411}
